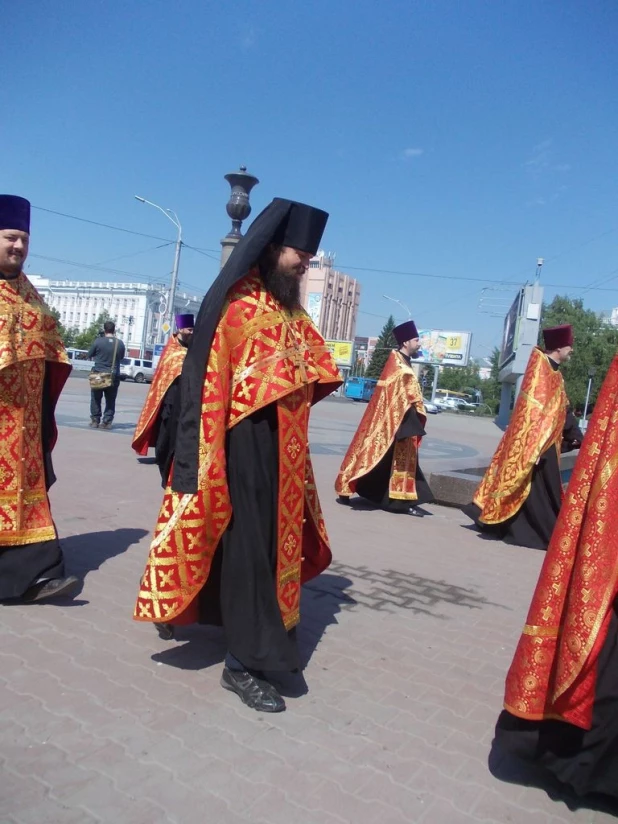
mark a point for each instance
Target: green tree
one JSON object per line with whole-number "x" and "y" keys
{"x": 385, "y": 343}
{"x": 595, "y": 344}
{"x": 460, "y": 378}
{"x": 85, "y": 339}
{"x": 67, "y": 334}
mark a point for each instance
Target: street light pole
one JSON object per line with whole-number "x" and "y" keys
{"x": 173, "y": 217}
{"x": 591, "y": 374}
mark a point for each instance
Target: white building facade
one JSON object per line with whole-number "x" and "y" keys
{"x": 136, "y": 308}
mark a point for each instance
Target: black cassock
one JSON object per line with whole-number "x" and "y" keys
{"x": 166, "y": 429}
{"x": 374, "y": 486}
{"x": 241, "y": 590}
{"x": 585, "y": 761}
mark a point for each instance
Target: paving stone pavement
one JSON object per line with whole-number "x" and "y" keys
{"x": 406, "y": 638}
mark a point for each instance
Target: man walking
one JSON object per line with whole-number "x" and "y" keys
{"x": 107, "y": 353}
{"x": 158, "y": 421}
{"x": 520, "y": 495}
{"x": 241, "y": 528}
{"x": 381, "y": 463}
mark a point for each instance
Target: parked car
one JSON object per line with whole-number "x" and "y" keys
{"x": 138, "y": 369}
{"x": 431, "y": 408}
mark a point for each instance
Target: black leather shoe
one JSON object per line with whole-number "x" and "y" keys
{"x": 257, "y": 694}
{"x": 341, "y": 499}
{"x": 166, "y": 631}
{"x": 54, "y": 588}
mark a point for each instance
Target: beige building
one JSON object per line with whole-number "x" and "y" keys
{"x": 331, "y": 298}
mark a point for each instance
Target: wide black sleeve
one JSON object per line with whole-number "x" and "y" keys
{"x": 411, "y": 425}
{"x": 572, "y": 436}
{"x": 167, "y": 425}
{"x": 47, "y": 430}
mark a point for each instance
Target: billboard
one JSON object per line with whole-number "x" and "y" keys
{"x": 314, "y": 306}
{"x": 444, "y": 347}
{"x": 342, "y": 351}
{"x": 510, "y": 335}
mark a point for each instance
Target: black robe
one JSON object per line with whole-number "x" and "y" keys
{"x": 23, "y": 566}
{"x": 584, "y": 761}
{"x": 241, "y": 591}
{"x": 166, "y": 429}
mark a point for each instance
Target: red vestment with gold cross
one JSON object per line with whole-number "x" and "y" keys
{"x": 261, "y": 354}
{"x": 30, "y": 348}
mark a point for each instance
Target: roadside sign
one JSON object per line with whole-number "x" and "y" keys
{"x": 166, "y": 327}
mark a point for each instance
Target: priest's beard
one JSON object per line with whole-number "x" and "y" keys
{"x": 282, "y": 284}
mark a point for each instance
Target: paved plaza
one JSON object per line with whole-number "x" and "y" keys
{"x": 407, "y": 639}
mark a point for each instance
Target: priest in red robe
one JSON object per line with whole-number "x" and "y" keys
{"x": 561, "y": 698}
{"x": 520, "y": 495}
{"x": 241, "y": 528}
{"x": 33, "y": 369}
{"x": 381, "y": 464}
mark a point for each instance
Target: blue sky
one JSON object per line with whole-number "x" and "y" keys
{"x": 455, "y": 139}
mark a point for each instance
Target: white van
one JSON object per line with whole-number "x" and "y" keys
{"x": 138, "y": 369}
{"x": 77, "y": 357}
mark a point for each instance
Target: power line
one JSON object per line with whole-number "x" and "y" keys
{"x": 103, "y": 225}
{"x": 464, "y": 279}
{"x": 95, "y": 268}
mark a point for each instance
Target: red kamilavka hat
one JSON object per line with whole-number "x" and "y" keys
{"x": 558, "y": 336}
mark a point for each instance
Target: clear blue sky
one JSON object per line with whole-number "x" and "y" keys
{"x": 460, "y": 139}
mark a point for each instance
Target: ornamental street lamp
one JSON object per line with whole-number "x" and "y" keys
{"x": 238, "y": 208}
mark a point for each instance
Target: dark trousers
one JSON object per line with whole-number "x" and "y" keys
{"x": 96, "y": 396}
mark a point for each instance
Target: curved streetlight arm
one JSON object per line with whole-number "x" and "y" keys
{"x": 167, "y": 212}
{"x": 403, "y": 306}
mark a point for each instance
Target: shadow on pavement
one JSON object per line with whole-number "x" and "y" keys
{"x": 87, "y": 552}
{"x": 199, "y": 646}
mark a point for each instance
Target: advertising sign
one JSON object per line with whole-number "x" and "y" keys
{"x": 510, "y": 335}
{"x": 314, "y": 306}
{"x": 444, "y": 347}
{"x": 342, "y": 351}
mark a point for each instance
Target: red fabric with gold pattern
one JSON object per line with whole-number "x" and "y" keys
{"x": 168, "y": 369}
{"x": 397, "y": 391}
{"x": 29, "y": 343}
{"x": 536, "y": 425}
{"x": 553, "y": 672}
{"x": 261, "y": 354}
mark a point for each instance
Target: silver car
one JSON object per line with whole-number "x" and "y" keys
{"x": 137, "y": 369}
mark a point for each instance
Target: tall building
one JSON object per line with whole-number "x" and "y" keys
{"x": 136, "y": 308}
{"x": 331, "y": 298}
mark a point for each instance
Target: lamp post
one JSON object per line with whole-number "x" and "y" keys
{"x": 173, "y": 217}
{"x": 591, "y": 373}
{"x": 238, "y": 208}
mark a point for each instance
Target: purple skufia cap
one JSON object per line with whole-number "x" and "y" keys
{"x": 184, "y": 321}
{"x": 405, "y": 331}
{"x": 14, "y": 213}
